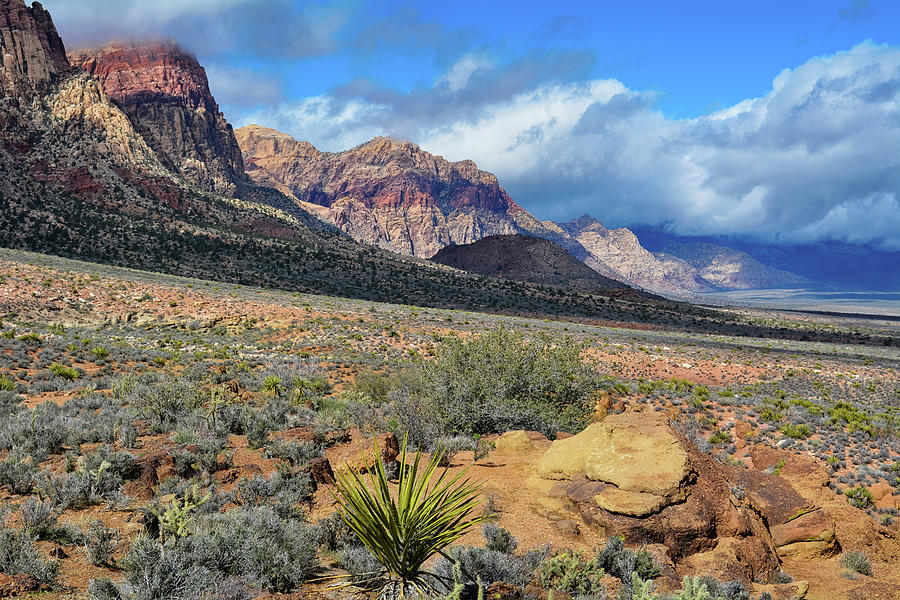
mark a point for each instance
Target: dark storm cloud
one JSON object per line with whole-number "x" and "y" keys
{"x": 451, "y": 99}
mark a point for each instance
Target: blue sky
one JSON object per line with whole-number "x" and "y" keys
{"x": 776, "y": 120}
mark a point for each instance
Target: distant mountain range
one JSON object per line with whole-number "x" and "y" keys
{"x": 399, "y": 197}
{"x": 826, "y": 265}
{"x": 121, "y": 154}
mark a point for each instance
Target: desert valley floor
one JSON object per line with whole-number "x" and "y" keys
{"x": 806, "y": 427}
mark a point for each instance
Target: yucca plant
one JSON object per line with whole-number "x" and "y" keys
{"x": 431, "y": 511}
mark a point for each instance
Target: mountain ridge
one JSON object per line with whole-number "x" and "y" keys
{"x": 825, "y": 264}
{"x": 165, "y": 93}
{"x": 526, "y": 258}
{"x": 392, "y": 194}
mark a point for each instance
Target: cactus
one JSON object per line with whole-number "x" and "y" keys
{"x": 175, "y": 520}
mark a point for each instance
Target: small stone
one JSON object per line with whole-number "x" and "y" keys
{"x": 568, "y": 527}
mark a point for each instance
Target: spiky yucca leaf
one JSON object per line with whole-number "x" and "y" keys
{"x": 431, "y": 511}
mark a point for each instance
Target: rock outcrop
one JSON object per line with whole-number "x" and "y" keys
{"x": 165, "y": 93}
{"x": 32, "y": 54}
{"x": 388, "y": 193}
{"x": 633, "y": 475}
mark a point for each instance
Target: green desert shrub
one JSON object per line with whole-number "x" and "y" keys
{"x": 39, "y": 518}
{"x": 489, "y": 566}
{"x": 7, "y": 384}
{"x": 859, "y": 496}
{"x": 799, "y": 432}
{"x": 230, "y": 555}
{"x": 99, "y": 543}
{"x": 428, "y": 512}
{"x": 274, "y": 553}
{"x": 18, "y": 474}
{"x": 620, "y": 562}
{"x": 496, "y": 561}
{"x": 499, "y": 539}
{"x": 67, "y": 373}
{"x": 334, "y": 534}
{"x": 363, "y": 567}
{"x": 495, "y": 382}
{"x": 856, "y": 561}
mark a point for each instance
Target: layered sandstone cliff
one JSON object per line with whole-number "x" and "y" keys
{"x": 388, "y": 193}
{"x": 165, "y": 93}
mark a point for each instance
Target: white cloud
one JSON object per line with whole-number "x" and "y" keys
{"x": 816, "y": 157}
{"x": 457, "y": 76}
{"x": 329, "y": 125}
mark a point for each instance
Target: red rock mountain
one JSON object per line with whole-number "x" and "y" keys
{"x": 388, "y": 193}
{"x": 165, "y": 93}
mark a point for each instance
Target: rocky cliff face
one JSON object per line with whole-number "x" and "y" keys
{"x": 621, "y": 251}
{"x": 165, "y": 93}
{"x": 388, "y": 193}
{"x": 32, "y": 54}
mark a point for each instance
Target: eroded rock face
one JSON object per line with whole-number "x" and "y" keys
{"x": 621, "y": 251}
{"x": 632, "y": 475}
{"x": 388, "y": 193}
{"x": 32, "y": 54}
{"x": 165, "y": 93}
{"x": 798, "y": 526}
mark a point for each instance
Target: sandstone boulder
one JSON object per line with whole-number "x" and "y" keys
{"x": 640, "y": 458}
{"x": 883, "y": 495}
{"x": 633, "y": 475}
{"x": 514, "y": 441}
